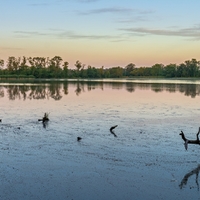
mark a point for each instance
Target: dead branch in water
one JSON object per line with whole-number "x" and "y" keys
{"x": 45, "y": 118}
{"x": 111, "y": 130}
{"x": 197, "y": 141}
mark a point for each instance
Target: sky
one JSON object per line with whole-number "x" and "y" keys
{"x": 99, "y": 33}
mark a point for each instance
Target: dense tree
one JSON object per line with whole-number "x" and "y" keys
{"x": 1, "y": 63}
{"x": 78, "y": 66}
{"x": 142, "y": 71}
{"x": 90, "y": 72}
{"x": 38, "y": 62}
{"x": 1, "y": 66}
{"x": 192, "y": 67}
{"x": 65, "y": 69}
{"x": 55, "y": 61}
{"x": 13, "y": 64}
{"x": 116, "y": 72}
{"x": 170, "y": 70}
{"x": 157, "y": 70}
{"x": 128, "y": 69}
{"x": 23, "y": 67}
{"x": 55, "y": 67}
{"x": 181, "y": 70}
{"x": 101, "y": 72}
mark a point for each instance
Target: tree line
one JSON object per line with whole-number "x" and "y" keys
{"x": 41, "y": 67}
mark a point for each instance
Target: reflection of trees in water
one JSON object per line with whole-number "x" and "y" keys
{"x": 188, "y": 175}
{"x": 65, "y": 88}
{"x": 56, "y": 90}
{"x": 130, "y": 87}
{"x": 79, "y": 88}
{"x": 190, "y": 90}
{"x": 93, "y": 86}
{"x": 117, "y": 86}
{"x": 17, "y": 92}
{"x": 38, "y": 92}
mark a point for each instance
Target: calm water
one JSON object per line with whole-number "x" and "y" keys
{"x": 146, "y": 159}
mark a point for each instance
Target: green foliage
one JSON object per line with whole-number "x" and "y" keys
{"x": 116, "y": 72}
{"x": 1, "y": 63}
{"x": 129, "y": 69}
{"x": 40, "y": 67}
{"x": 170, "y": 70}
{"x": 15, "y": 76}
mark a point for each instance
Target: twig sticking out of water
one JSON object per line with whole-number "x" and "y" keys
{"x": 111, "y": 130}
{"x": 45, "y": 118}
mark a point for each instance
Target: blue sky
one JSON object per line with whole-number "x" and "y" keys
{"x": 102, "y": 32}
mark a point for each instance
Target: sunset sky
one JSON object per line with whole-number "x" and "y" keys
{"x": 102, "y": 32}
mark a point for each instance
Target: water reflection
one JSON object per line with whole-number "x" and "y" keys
{"x": 188, "y": 175}
{"x": 57, "y": 90}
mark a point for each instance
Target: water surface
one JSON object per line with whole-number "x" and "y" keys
{"x": 145, "y": 160}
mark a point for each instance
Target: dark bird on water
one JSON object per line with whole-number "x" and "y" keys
{"x": 79, "y": 138}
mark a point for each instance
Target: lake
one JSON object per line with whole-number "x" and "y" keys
{"x": 143, "y": 158}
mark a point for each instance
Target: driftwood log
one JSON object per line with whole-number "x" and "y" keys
{"x": 187, "y": 141}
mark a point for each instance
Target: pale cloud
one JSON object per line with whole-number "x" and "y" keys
{"x": 191, "y": 32}
{"x": 57, "y": 33}
{"x": 73, "y": 35}
{"x": 132, "y": 19}
{"x": 108, "y": 10}
{"x": 122, "y": 14}
{"x": 116, "y": 10}
{"x": 25, "y": 34}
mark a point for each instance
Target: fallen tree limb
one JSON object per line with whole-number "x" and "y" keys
{"x": 111, "y": 130}
{"x": 45, "y": 118}
{"x": 197, "y": 141}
